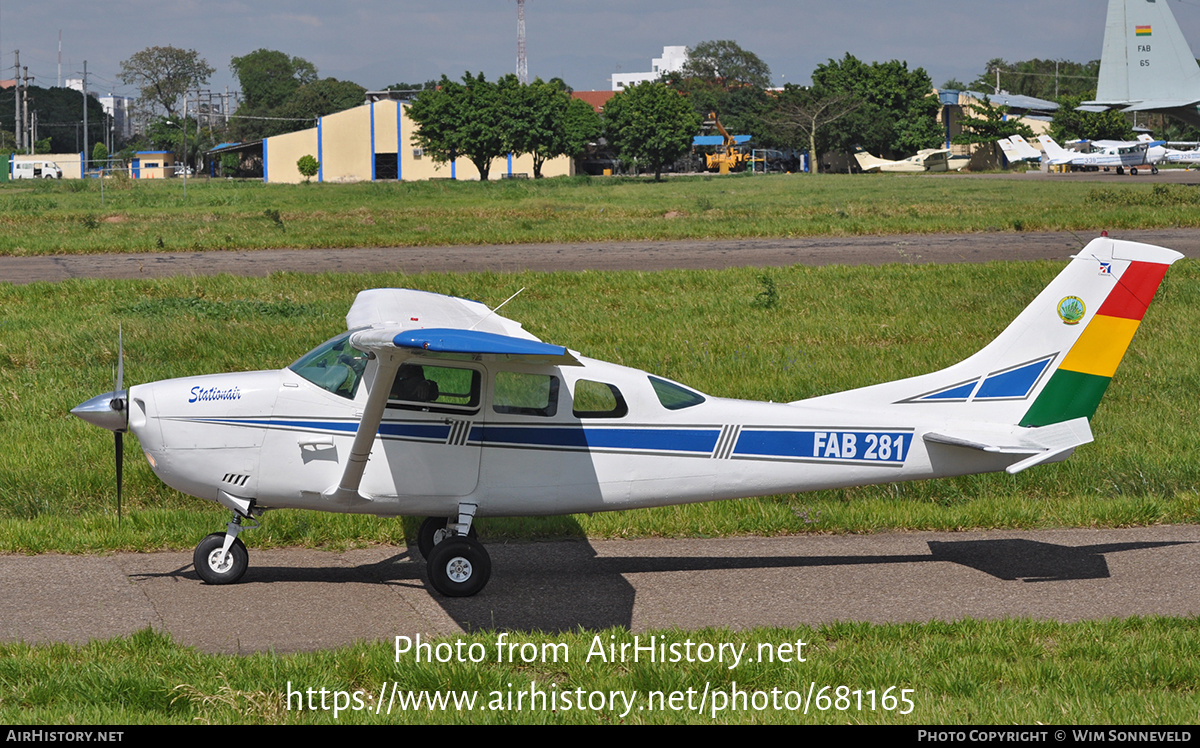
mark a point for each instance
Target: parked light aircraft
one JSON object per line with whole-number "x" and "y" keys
{"x": 928, "y": 159}
{"x": 1016, "y": 148}
{"x": 1146, "y": 64}
{"x": 1157, "y": 151}
{"x": 438, "y": 407}
{"x": 1121, "y": 157}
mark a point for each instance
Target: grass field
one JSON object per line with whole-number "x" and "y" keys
{"x": 52, "y": 217}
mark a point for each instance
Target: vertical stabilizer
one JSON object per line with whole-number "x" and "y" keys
{"x": 1056, "y": 153}
{"x": 1053, "y": 363}
{"x": 1146, "y": 62}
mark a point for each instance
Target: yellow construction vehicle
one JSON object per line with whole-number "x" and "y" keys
{"x": 729, "y": 155}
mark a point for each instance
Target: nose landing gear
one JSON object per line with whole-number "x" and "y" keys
{"x": 222, "y": 558}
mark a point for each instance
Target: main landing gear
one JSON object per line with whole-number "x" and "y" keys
{"x": 458, "y": 564}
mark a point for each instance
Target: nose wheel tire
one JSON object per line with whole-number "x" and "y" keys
{"x": 459, "y": 567}
{"x": 432, "y": 532}
{"x": 214, "y": 569}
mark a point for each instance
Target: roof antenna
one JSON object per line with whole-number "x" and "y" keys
{"x": 481, "y": 319}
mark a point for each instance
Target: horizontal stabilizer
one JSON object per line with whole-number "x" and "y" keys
{"x": 1152, "y": 106}
{"x": 1043, "y": 444}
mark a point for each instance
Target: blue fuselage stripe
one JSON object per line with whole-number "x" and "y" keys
{"x": 888, "y": 446}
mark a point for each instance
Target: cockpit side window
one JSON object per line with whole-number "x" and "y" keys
{"x": 517, "y": 393}
{"x": 675, "y": 396}
{"x": 436, "y": 389}
{"x": 334, "y": 366}
{"x": 598, "y": 400}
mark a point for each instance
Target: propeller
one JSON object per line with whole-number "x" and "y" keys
{"x": 110, "y": 411}
{"x": 119, "y": 405}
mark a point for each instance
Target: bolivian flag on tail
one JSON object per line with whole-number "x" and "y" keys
{"x": 1075, "y": 388}
{"x": 1141, "y": 30}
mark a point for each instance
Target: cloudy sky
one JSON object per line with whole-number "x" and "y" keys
{"x": 377, "y": 42}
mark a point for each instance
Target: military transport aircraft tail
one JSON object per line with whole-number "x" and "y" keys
{"x": 1054, "y": 361}
{"x": 1146, "y": 64}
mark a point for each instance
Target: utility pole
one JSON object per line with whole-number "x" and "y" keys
{"x": 29, "y": 144}
{"x": 85, "y": 132}
{"x": 17, "y": 102}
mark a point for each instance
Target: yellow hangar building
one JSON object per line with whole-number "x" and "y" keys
{"x": 374, "y": 141}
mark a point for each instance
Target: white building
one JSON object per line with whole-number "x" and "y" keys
{"x": 120, "y": 108}
{"x": 672, "y": 61}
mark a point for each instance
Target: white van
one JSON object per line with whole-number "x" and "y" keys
{"x": 36, "y": 170}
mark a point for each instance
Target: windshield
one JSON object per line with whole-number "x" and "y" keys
{"x": 334, "y": 366}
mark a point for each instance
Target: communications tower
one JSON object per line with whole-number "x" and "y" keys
{"x": 522, "y": 63}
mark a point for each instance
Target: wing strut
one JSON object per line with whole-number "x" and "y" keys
{"x": 378, "y": 388}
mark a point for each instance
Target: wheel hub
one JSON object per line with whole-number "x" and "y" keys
{"x": 220, "y": 562}
{"x": 458, "y": 569}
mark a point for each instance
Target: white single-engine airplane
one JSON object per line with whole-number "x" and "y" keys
{"x": 928, "y": 159}
{"x": 1122, "y": 156}
{"x": 436, "y": 406}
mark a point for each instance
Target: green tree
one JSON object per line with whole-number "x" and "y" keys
{"x": 1070, "y": 124}
{"x": 163, "y": 75}
{"x": 99, "y": 154}
{"x": 721, "y": 77}
{"x": 582, "y": 126}
{"x": 231, "y": 163}
{"x": 308, "y": 167}
{"x": 650, "y": 123}
{"x": 268, "y": 78}
{"x": 726, "y": 62}
{"x": 461, "y": 119}
{"x": 543, "y": 120}
{"x": 800, "y": 113}
{"x": 402, "y": 86}
{"x": 321, "y": 97}
{"x": 60, "y": 116}
{"x": 898, "y": 115}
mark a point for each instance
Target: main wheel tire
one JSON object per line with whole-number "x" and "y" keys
{"x": 1153, "y": 169}
{"x": 207, "y": 560}
{"x": 433, "y": 531}
{"x": 1120, "y": 171}
{"x": 1133, "y": 171}
{"x": 459, "y": 567}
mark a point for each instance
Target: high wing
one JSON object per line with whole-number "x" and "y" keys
{"x": 401, "y": 325}
{"x": 407, "y": 309}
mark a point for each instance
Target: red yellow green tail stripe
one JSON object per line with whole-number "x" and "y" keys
{"x": 1075, "y": 389}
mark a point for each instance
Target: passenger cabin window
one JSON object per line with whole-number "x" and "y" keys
{"x": 675, "y": 396}
{"x": 435, "y": 389}
{"x": 525, "y": 394}
{"x": 598, "y": 400}
{"x": 334, "y": 366}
